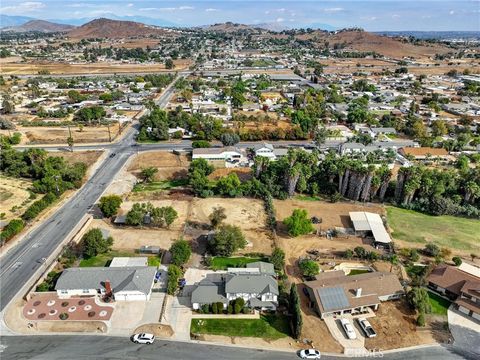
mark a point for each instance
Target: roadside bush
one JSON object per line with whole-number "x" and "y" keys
{"x": 197, "y": 144}
{"x": 38, "y": 206}
{"x": 457, "y": 260}
{"x": 220, "y": 307}
{"x": 110, "y": 204}
{"x": 13, "y": 228}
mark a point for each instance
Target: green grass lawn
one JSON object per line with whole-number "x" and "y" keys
{"x": 102, "y": 260}
{"x": 308, "y": 198}
{"x": 154, "y": 261}
{"x": 221, "y": 263}
{"x": 439, "y": 305}
{"x": 445, "y": 231}
{"x": 269, "y": 327}
{"x": 160, "y": 185}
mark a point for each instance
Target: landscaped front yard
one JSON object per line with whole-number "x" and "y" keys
{"x": 445, "y": 231}
{"x": 102, "y": 260}
{"x": 269, "y": 327}
{"x": 439, "y": 305}
{"x": 222, "y": 263}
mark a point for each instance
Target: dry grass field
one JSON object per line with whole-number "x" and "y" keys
{"x": 169, "y": 165}
{"x": 14, "y": 197}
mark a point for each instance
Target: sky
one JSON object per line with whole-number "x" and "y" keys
{"x": 372, "y": 15}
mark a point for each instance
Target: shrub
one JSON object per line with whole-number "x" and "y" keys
{"x": 229, "y": 309}
{"x": 110, "y": 204}
{"x": 237, "y": 309}
{"x": 457, "y": 260}
{"x": 220, "y": 307}
{"x": 214, "y": 308}
{"x": 298, "y": 223}
{"x": 217, "y": 216}
{"x": 308, "y": 267}
{"x": 14, "y": 227}
{"x": 206, "y": 308}
{"x": 200, "y": 144}
{"x": 226, "y": 241}
{"x": 63, "y": 316}
{"x": 278, "y": 259}
{"x": 421, "y": 319}
{"x": 174, "y": 274}
{"x": 38, "y": 206}
{"x": 180, "y": 251}
{"x": 297, "y": 321}
{"x": 348, "y": 254}
{"x": 432, "y": 250}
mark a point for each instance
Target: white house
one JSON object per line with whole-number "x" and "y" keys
{"x": 227, "y": 156}
{"x": 265, "y": 150}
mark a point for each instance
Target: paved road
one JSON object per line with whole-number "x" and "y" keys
{"x": 105, "y": 347}
{"x": 19, "y": 264}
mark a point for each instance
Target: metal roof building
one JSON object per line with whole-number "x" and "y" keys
{"x": 366, "y": 221}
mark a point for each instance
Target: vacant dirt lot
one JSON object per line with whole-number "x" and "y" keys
{"x": 87, "y": 157}
{"x": 58, "y": 135}
{"x": 332, "y": 215}
{"x": 170, "y": 166}
{"x": 14, "y": 197}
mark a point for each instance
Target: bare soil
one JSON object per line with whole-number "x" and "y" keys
{"x": 159, "y": 330}
{"x": 87, "y": 157}
{"x": 14, "y": 197}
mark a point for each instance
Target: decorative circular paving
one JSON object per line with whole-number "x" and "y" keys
{"x": 36, "y": 303}
{"x": 87, "y": 307}
{"x": 42, "y": 315}
{"x": 72, "y": 308}
{"x": 81, "y": 302}
{"x": 91, "y": 314}
{"x": 52, "y": 312}
{"x": 31, "y": 311}
{"x": 51, "y": 303}
{"x": 103, "y": 313}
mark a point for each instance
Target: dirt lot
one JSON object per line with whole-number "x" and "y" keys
{"x": 248, "y": 214}
{"x": 58, "y": 135}
{"x": 395, "y": 326}
{"x": 243, "y": 174}
{"x": 332, "y": 214}
{"x": 95, "y": 68}
{"x": 87, "y": 157}
{"x": 14, "y": 197}
{"x": 169, "y": 165}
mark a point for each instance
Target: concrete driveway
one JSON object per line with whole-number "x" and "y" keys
{"x": 465, "y": 331}
{"x": 351, "y": 347}
{"x": 178, "y": 315}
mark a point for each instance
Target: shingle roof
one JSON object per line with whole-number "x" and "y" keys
{"x": 264, "y": 267}
{"x": 208, "y": 292}
{"x": 250, "y": 283}
{"x": 451, "y": 278}
{"x": 121, "y": 278}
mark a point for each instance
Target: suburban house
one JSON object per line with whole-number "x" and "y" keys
{"x": 255, "y": 284}
{"x": 425, "y": 153}
{"x": 265, "y": 150}
{"x": 222, "y": 157}
{"x": 124, "y": 283}
{"x": 460, "y": 284}
{"x": 334, "y": 293}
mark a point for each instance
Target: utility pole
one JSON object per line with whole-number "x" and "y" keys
{"x": 109, "y": 134}
{"x": 70, "y": 139}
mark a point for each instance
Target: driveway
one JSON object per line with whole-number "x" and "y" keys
{"x": 351, "y": 347}
{"x": 465, "y": 331}
{"x": 178, "y": 315}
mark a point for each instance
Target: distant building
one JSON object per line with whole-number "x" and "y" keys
{"x": 425, "y": 153}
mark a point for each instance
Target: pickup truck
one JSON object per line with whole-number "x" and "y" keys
{"x": 366, "y": 327}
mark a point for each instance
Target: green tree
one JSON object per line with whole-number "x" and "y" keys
{"x": 180, "y": 251}
{"x": 309, "y": 268}
{"x": 148, "y": 173}
{"x": 174, "y": 275}
{"x": 228, "y": 185}
{"x": 217, "y": 216}
{"x": 226, "y": 241}
{"x": 70, "y": 143}
{"x": 94, "y": 243}
{"x": 229, "y": 139}
{"x": 110, "y": 204}
{"x": 294, "y": 307}
{"x": 418, "y": 299}
{"x": 457, "y": 260}
{"x": 298, "y": 223}
{"x": 432, "y": 249}
{"x": 278, "y": 259}
{"x": 169, "y": 64}
{"x": 421, "y": 319}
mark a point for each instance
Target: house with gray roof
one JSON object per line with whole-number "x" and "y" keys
{"x": 124, "y": 283}
{"x": 256, "y": 285}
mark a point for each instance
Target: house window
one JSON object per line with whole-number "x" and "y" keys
{"x": 63, "y": 292}
{"x": 85, "y": 291}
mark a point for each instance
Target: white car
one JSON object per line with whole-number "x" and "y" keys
{"x": 366, "y": 327}
{"x": 310, "y": 354}
{"x": 143, "y": 338}
{"x": 348, "y": 329}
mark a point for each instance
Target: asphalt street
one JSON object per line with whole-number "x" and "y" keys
{"x": 105, "y": 347}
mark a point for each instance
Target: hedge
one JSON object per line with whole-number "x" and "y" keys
{"x": 38, "y": 206}
{"x": 12, "y": 229}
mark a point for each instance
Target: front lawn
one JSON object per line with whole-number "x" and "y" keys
{"x": 445, "y": 231}
{"x": 269, "y": 327}
{"x": 222, "y": 263}
{"x": 160, "y": 185}
{"x": 102, "y": 260}
{"x": 439, "y": 305}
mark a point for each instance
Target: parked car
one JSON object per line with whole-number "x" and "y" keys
{"x": 348, "y": 329}
{"x": 143, "y": 338}
{"x": 366, "y": 327}
{"x": 310, "y": 354}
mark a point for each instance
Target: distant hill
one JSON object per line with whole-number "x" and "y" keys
{"x": 438, "y": 35}
{"x": 135, "y": 18}
{"x": 273, "y": 26}
{"x": 9, "y": 20}
{"x": 229, "y": 27}
{"x": 364, "y": 41}
{"x": 39, "y": 26}
{"x": 106, "y": 28}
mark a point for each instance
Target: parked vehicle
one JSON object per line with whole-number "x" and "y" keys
{"x": 310, "y": 354}
{"x": 366, "y": 327}
{"x": 348, "y": 329}
{"x": 143, "y": 338}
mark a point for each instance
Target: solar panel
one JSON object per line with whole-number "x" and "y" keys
{"x": 333, "y": 298}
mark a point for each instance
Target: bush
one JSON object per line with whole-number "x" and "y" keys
{"x": 432, "y": 250}
{"x": 220, "y": 307}
{"x": 348, "y": 254}
{"x": 229, "y": 309}
{"x": 94, "y": 243}
{"x": 197, "y": 144}
{"x": 174, "y": 274}
{"x": 309, "y": 268}
{"x": 278, "y": 259}
{"x": 457, "y": 260}
{"x": 214, "y": 308}
{"x": 297, "y": 321}
{"x": 298, "y": 223}
{"x": 226, "y": 241}
{"x": 110, "y": 204}
{"x": 180, "y": 251}
{"x": 14, "y": 227}
{"x": 237, "y": 309}
{"x": 38, "y": 206}
{"x": 206, "y": 308}
{"x": 421, "y": 319}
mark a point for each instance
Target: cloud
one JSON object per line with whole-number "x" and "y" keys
{"x": 369, "y": 18}
{"x": 395, "y": 16}
{"x": 280, "y": 19}
{"x": 211, "y": 10}
{"x": 24, "y": 7}
{"x": 180, "y": 8}
{"x": 452, "y": 12}
{"x": 186, "y": 8}
{"x": 129, "y": 5}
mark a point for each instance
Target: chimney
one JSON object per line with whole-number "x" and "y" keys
{"x": 358, "y": 292}
{"x": 108, "y": 288}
